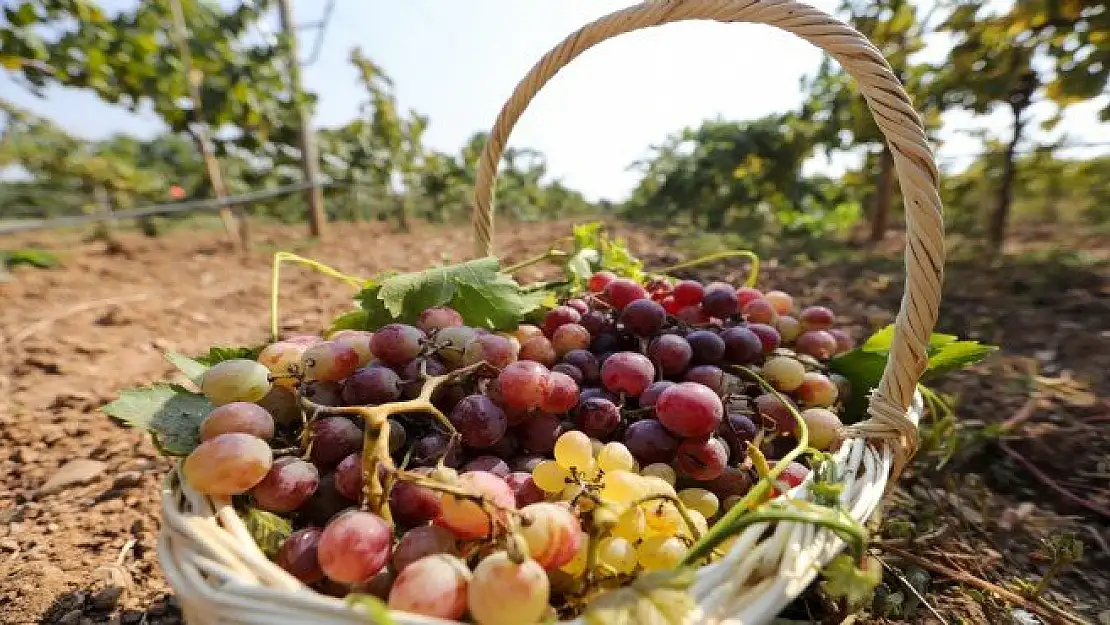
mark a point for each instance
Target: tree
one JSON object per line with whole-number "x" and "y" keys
{"x": 1037, "y": 49}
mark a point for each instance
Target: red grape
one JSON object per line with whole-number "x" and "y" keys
{"x": 329, "y": 361}
{"x": 709, "y": 376}
{"x": 598, "y": 417}
{"x": 297, "y": 555}
{"x": 768, "y": 335}
{"x": 538, "y": 349}
{"x": 421, "y": 541}
{"x": 372, "y": 386}
{"x": 396, "y": 344}
{"x": 570, "y": 337}
{"x": 817, "y": 343}
{"x": 238, "y": 416}
{"x": 670, "y": 305}
{"x": 468, "y": 520}
{"x": 627, "y": 372}
{"x": 693, "y": 315}
{"x": 580, "y": 305}
{"x": 844, "y": 340}
{"x": 354, "y": 546}
{"x": 760, "y": 311}
{"x": 437, "y": 318}
{"x": 524, "y": 487}
{"x": 559, "y": 316}
{"x": 538, "y": 433}
{"x": 643, "y": 317}
{"x": 782, "y": 302}
{"x": 650, "y": 442}
{"x": 560, "y": 394}
{"x": 358, "y": 340}
{"x": 747, "y": 294}
{"x": 490, "y": 464}
{"x": 688, "y": 292}
{"x": 817, "y": 390}
{"x": 586, "y": 362}
{"x": 689, "y": 410}
{"x": 435, "y": 586}
{"x": 670, "y": 352}
{"x": 742, "y": 345}
{"x": 622, "y": 292}
{"x": 777, "y": 412}
{"x": 497, "y": 351}
{"x": 333, "y": 439}
{"x": 600, "y": 280}
{"x": 817, "y": 318}
{"x": 651, "y": 395}
{"x": 708, "y": 348}
{"x": 290, "y": 482}
{"x": 522, "y": 384}
{"x": 228, "y": 464}
{"x": 480, "y": 421}
{"x": 553, "y": 534}
{"x": 348, "y": 477}
{"x": 701, "y": 459}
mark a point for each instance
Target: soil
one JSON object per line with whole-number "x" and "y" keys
{"x": 82, "y": 549}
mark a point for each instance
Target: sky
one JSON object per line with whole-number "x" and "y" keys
{"x": 457, "y": 62}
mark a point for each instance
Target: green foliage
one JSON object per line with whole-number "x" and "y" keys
{"x": 843, "y": 579}
{"x": 267, "y": 529}
{"x": 594, "y": 250}
{"x": 656, "y": 598}
{"x": 41, "y": 259}
{"x": 170, "y": 413}
{"x": 220, "y": 354}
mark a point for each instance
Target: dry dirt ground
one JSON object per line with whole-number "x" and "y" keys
{"x": 79, "y": 548}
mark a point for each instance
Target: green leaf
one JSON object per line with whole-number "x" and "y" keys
{"x": 580, "y": 266}
{"x": 587, "y": 235}
{"x": 844, "y": 580}
{"x": 31, "y": 257}
{"x": 616, "y": 257}
{"x": 863, "y": 369}
{"x": 268, "y": 529}
{"x": 879, "y": 342}
{"x": 657, "y": 598}
{"x": 375, "y": 609}
{"x": 351, "y": 320}
{"x": 169, "y": 412}
{"x": 192, "y": 369}
{"x": 956, "y": 355}
{"x": 220, "y": 354}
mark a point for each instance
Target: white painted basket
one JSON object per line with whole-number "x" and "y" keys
{"x": 221, "y": 576}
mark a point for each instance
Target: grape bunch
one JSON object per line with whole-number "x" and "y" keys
{"x": 455, "y": 471}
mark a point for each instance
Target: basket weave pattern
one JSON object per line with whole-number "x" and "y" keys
{"x": 221, "y": 576}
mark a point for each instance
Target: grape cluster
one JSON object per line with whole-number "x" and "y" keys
{"x": 521, "y": 468}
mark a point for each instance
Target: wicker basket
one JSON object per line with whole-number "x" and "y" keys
{"x": 221, "y": 576}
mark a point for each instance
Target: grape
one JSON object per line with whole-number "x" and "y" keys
{"x": 603, "y": 344}
{"x": 235, "y": 380}
{"x": 596, "y": 393}
{"x": 742, "y": 345}
{"x": 844, "y": 340}
{"x": 817, "y": 343}
{"x": 623, "y": 487}
{"x": 396, "y": 344}
{"x": 776, "y": 411}
{"x": 824, "y": 427}
{"x": 708, "y": 348}
{"x": 491, "y": 464}
{"x": 371, "y": 386}
{"x": 538, "y": 433}
{"x": 817, "y": 390}
{"x": 720, "y": 301}
{"x": 283, "y": 359}
{"x": 524, "y": 488}
{"x": 557, "y": 317}
{"x": 623, "y": 291}
{"x": 627, "y": 372}
{"x": 600, "y": 280}
{"x": 651, "y": 395}
{"x": 792, "y": 476}
{"x": 435, "y": 585}
{"x": 348, "y": 477}
{"x": 412, "y": 504}
{"x": 768, "y": 336}
{"x": 552, "y": 533}
{"x": 643, "y": 317}
{"x": 412, "y": 382}
{"x": 570, "y": 337}
{"x": 782, "y": 302}
{"x": 522, "y": 384}
{"x": 578, "y": 304}
{"x": 658, "y": 553}
{"x": 526, "y": 331}
{"x": 760, "y": 311}
{"x": 479, "y": 420}
{"x": 671, "y": 352}
{"x": 438, "y": 318}
{"x": 689, "y": 410}
{"x": 737, "y": 429}
{"x": 468, "y": 520}
{"x": 561, "y": 393}
{"x": 650, "y": 442}
{"x": 329, "y": 361}
{"x": 290, "y": 482}
{"x": 333, "y": 439}
{"x": 702, "y": 459}
{"x": 503, "y": 592}
{"x": 430, "y": 448}
{"x": 789, "y": 328}
{"x": 323, "y": 393}
{"x": 282, "y": 404}
{"x": 585, "y": 362}
{"x": 784, "y": 373}
{"x": 669, "y": 305}
{"x": 573, "y": 450}
{"x": 228, "y": 464}
{"x": 688, "y": 292}
{"x": 572, "y": 372}
{"x": 693, "y": 315}
{"x": 358, "y": 340}
{"x": 615, "y": 456}
{"x": 525, "y": 463}
{"x": 550, "y": 476}
{"x": 538, "y": 349}
{"x": 238, "y": 416}
{"x": 354, "y": 546}
{"x": 452, "y": 343}
{"x": 631, "y": 525}
{"x": 598, "y": 417}
{"x": 422, "y": 541}
{"x": 708, "y": 376}
{"x": 297, "y": 555}
{"x": 617, "y": 554}
{"x": 816, "y": 318}
{"x": 495, "y": 350}
{"x": 700, "y": 500}
{"x": 505, "y": 448}
{"x": 595, "y": 322}
{"x": 662, "y": 471}
{"x": 746, "y": 294}
{"x": 733, "y": 481}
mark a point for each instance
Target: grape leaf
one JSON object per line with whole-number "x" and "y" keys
{"x": 595, "y": 249}
{"x": 171, "y": 413}
{"x": 267, "y": 529}
{"x": 863, "y": 369}
{"x": 192, "y": 369}
{"x": 220, "y": 354}
{"x": 375, "y": 609}
{"x": 955, "y": 355}
{"x": 657, "y": 598}
{"x": 350, "y": 320}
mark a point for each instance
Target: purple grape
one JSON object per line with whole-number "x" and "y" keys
{"x": 702, "y": 460}
{"x": 720, "y": 301}
{"x": 290, "y": 482}
{"x": 490, "y": 464}
{"x": 604, "y": 342}
{"x": 411, "y": 382}
{"x": 570, "y": 371}
{"x": 769, "y": 336}
{"x": 538, "y": 433}
{"x": 423, "y": 541}
{"x": 371, "y": 386}
{"x": 627, "y": 372}
{"x": 297, "y": 555}
{"x": 430, "y": 448}
{"x": 348, "y": 477}
{"x": 586, "y": 363}
{"x": 737, "y": 429}
{"x": 708, "y": 375}
{"x": 742, "y": 346}
{"x": 524, "y": 488}
{"x": 325, "y": 503}
{"x": 596, "y": 393}
{"x": 396, "y": 344}
{"x": 412, "y": 504}
{"x": 670, "y": 352}
{"x": 707, "y": 347}
{"x": 733, "y": 481}
{"x": 650, "y": 442}
{"x": 643, "y": 317}
{"x": 323, "y": 393}
{"x": 598, "y": 417}
{"x": 649, "y": 397}
{"x": 480, "y": 421}
{"x": 504, "y": 448}
{"x": 595, "y": 322}
{"x": 333, "y": 439}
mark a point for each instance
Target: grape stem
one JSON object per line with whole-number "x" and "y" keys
{"x": 279, "y": 257}
{"x": 734, "y": 520}
{"x": 750, "y": 255}
{"x": 682, "y": 510}
{"x": 535, "y": 260}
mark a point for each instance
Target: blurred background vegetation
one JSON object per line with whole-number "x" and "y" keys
{"x": 234, "y": 113}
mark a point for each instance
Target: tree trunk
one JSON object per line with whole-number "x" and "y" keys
{"x": 317, "y": 217}
{"x": 884, "y": 190}
{"x": 996, "y": 233}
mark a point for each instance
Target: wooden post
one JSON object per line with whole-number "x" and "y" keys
{"x": 309, "y": 159}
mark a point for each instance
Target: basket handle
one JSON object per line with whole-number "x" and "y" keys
{"x": 896, "y": 118}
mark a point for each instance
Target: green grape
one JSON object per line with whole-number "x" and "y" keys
{"x": 550, "y": 477}
{"x": 664, "y": 519}
{"x": 235, "y": 380}
{"x": 615, "y": 457}
{"x": 662, "y": 471}
{"x": 623, "y": 487}
{"x": 618, "y": 554}
{"x": 701, "y": 500}
{"x": 574, "y": 451}
{"x": 632, "y": 525}
{"x": 661, "y": 552}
